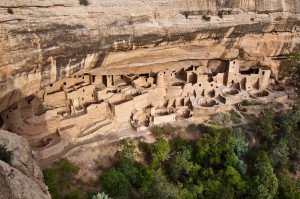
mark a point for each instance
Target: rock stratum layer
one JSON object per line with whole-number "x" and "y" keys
{"x": 44, "y": 41}
{"x": 22, "y": 179}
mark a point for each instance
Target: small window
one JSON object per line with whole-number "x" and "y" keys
{"x": 200, "y": 85}
{"x": 233, "y": 62}
{"x": 51, "y": 85}
{"x": 83, "y": 90}
{"x": 82, "y": 98}
{"x": 65, "y": 83}
{"x": 212, "y": 85}
{"x": 83, "y": 77}
{"x": 92, "y": 95}
{"x": 232, "y": 81}
{"x": 263, "y": 72}
{"x": 7, "y": 117}
{"x": 164, "y": 72}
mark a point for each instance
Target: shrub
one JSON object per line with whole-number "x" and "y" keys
{"x": 115, "y": 182}
{"x": 235, "y": 117}
{"x": 186, "y": 14}
{"x": 200, "y": 128}
{"x": 279, "y": 105}
{"x": 158, "y": 131}
{"x": 84, "y": 2}
{"x": 10, "y": 11}
{"x": 246, "y": 103}
{"x": 264, "y": 124}
{"x": 192, "y": 128}
{"x": 220, "y": 119}
{"x": 220, "y": 13}
{"x": 240, "y": 145}
{"x": 159, "y": 151}
{"x": 244, "y": 109}
{"x": 60, "y": 180}
{"x": 264, "y": 183}
{"x": 101, "y": 196}
{"x": 126, "y": 149}
{"x": 206, "y": 18}
{"x": 5, "y": 155}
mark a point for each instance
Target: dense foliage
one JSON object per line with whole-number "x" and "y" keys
{"x": 221, "y": 163}
{"x": 258, "y": 160}
{"x": 60, "y": 180}
{"x": 291, "y": 69}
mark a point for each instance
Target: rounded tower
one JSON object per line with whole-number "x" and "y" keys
{"x": 160, "y": 82}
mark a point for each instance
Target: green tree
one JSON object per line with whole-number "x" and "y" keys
{"x": 264, "y": 124}
{"x": 240, "y": 145}
{"x": 135, "y": 172}
{"x": 265, "y": 183}
{"x": 287, "y": 187}
{"x": 159, "y": 187}
{"x": 114, "y": 182}
{"x": 212, "y": 147}
{"x": 280, "y": 152}
{"x": 291, "y": 68}
{"x": 158, "y": 152}
{"x": 181, "y": 168}
{"x": 232, "y": 178}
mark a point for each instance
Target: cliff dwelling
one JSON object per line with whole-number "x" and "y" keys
{"x": 79, "y": 107}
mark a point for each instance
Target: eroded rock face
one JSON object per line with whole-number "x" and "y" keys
{"x": 23, "y": 178}
{"x": 14, "y": 184}
{"x": 44, "y": 41}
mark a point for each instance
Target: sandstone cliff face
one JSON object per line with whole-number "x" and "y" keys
{"x": 44, "y": 41}
{"x": 23, "y": 179}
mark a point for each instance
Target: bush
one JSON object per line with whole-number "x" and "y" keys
{"x": 244, "y": 109}
{"x": 240, "y": 145}
{"x": 101, "y": 196}
{"x": 114, "y": 182}
{"x": 126, "y": 149}
{"x": 84, "y": 2}
{"x": 5, "y": 155}
{"x": 159, "y": 151}
{"x": 220, "y": 119}
{"x": 235, "y": 117}
{"x": 264, "y": 125}
{"x": 186, "y": 14}
{"x": 60, "y": 180}
{"x": 158, "y": 131}
{"x": 246, "y": 103}
{"x": 206, "y": 18}
{"x": 192, "y": 128}
{"x": 10, "y": 11}
{"x": 220, "y": 13}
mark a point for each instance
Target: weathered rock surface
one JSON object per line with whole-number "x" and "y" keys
{"x": 23, "y": 179}
{"x": 44, "y": 41}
